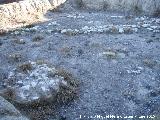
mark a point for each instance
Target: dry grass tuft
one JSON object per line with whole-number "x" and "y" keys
{"x": 70, "y": 92}
{"x": 157, "y": 13}
{"x": 105, "y": 6}
{"x": 16, "y": 57}
{"x": 66, "y": 51}
{"x": 37, "y": 38}
{"x": 137, "y": 10}
{"x": 149, "y": 63}
{"x": 25, "y": 67}
{"x": 2, "y": 32}
{"x": 80, "y": 4}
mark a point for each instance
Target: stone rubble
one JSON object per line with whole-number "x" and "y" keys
{"x": 149, "y": 24}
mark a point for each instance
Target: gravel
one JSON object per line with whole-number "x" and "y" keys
{"x": 114, "y": 78}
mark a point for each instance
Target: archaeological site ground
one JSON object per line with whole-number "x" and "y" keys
{"x": 79, "y": 59}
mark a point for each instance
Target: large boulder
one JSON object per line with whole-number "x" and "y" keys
{"x": 9, "y": 112}
{"x": 33, "y": 83}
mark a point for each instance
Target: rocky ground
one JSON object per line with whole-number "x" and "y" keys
{"x": 115, "y": 56}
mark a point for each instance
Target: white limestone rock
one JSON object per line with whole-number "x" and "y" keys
{"x": 33, "y": 83}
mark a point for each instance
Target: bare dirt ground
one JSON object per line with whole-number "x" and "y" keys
{"x": 119, "y": 70}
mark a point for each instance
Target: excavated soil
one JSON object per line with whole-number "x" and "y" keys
{"x": 118, "y": 67}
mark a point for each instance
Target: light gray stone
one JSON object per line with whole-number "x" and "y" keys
{"x": 9, "y": 112}
{"x": 13, "y": 118}
{"x": 36, "y": 84}
{"x": 7, "y": 108}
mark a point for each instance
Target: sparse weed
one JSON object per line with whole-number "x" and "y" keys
{"x": 80, "y": 4}
{"x": 1, "y": 43}
{"x": 149, "y": 63}
{"x": 157, "y": 13}
{"x": 66, "y": 51}
{"x": 37, "y": 38}
{"x": 69, "y": 32}
{"x": 25, "y": 67}
{"x": 70, "y": 92}
{"x": 2, "y": 32}
{"x": 16, "y": 57}
{"x": 114, "y": 29}
{"x": 137, "y": 9}
{"x": 128, "y": 30}
{"x": 157, "y": 118}
{"x": 105, "y": 6}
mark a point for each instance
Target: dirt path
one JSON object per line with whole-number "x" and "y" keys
{"x": 119, "y": 69}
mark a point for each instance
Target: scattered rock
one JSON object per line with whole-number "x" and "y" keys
{"x": 2, "y": 32}
{"x": 19, "y": 41}
{"x": 137, "y": 70}
{"x": 110, "y": 54}
{"x": 75, "y": 16}
{"x": 54, "y": 23}
{"x": 70, "y": 32}
{"x": 114, "y": 54}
